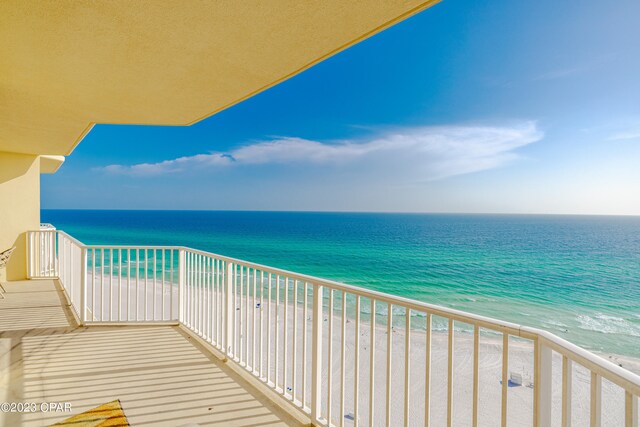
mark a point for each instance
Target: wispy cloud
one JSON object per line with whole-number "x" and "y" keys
{"x": 626, "y": 135}
{"x": 423, "y": 153}
{"x": 560, "y": 73}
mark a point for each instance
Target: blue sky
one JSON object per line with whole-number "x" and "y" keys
{"x": 502, "y": 106}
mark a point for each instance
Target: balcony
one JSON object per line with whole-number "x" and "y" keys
{"x": 180, "y": 335}
{"x": 161, "y": 375}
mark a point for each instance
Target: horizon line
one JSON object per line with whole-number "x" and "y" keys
{"x": 347, "y": 211}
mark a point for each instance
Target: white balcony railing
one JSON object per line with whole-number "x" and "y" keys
{"x": 338, "y": 353}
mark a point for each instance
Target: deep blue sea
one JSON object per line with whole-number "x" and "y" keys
{"x": 576, "y": 276}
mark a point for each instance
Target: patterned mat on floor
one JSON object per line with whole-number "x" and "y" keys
{"x": 107, "y": 415}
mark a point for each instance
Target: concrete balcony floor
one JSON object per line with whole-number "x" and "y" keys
{"x": 159, "y": 373}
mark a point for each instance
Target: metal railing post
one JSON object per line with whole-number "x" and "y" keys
{"x": 229, "y": 309}
{"x": 542, "y": 385}
{"x": 83, "y": 285}
{"x": 316, "y": 354}
{"x": 181, "y": 276}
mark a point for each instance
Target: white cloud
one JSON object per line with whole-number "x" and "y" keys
{"x": 422, "y": 153}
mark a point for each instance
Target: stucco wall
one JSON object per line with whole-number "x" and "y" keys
{"x": 19, "y": 208}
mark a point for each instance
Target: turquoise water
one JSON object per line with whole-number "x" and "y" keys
{"x": 576, "y": 276}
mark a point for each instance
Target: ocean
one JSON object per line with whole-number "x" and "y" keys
{"x": 575, "y": 276}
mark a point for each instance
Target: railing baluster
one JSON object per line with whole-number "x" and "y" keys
{"x": 427, "y": 372}
{"x": 389, "y": 360}
{"x": 240, "y": 324}
{"x": 119, "y": 284}
{"x": 254, "y": 322}
{"x": 220, "y": 317}
{"x": 304, "y": 344}
{"x": 101, "y": 316}
{"x": 229, "y": 309}
{"x": 450, "y": 357}
{"x": 171, "y": 296}
{"x": 269, "y": 326}
{"x": 630, "y": 410}
{"x": 330, "y": 357}
{"x": 128, "y": 298}
{"x": 222, "y": 312}
{"x": 162, "y": 271}
{"x": 110, "y": 317}
{"x": 155, "y": 281}
{"x": 316, "y": 355}
{"x": 205, "y": 298}
{"x": 505, "y": 378}
{"x": 372, "y": 362}
{"x": 192, "y": 290}
{"x": 200, "y": 296}
{"x": 83, "y": 287}
{"x": 188, "y": 272}
{"x": 212, "y": 302}
{"x": 596, "y": 400}
{"x": 567, "y": 375}
{"x": 146, "y": 284}
{"x": 542, "y": 385}
{"x": 356, "y": 372}
{"x": 261, "y": 322}
{"x": 407, "y": 365}
{"x": 220, "y": 274}
{"x": 215, "y": 340}
{"x": 342, "y": 356}
{"x": 181, "y": 285}
{"x": 285, "y": 338}
{"x": 277, "y": 343}
{"x": 246, "y": 318}
{"x": 476, "y": 366}
{"x": 295, "y": 340}
{"x": 236, "y": 312}
{"x": 93, "y": 281}
{"x": 69, "y": 286}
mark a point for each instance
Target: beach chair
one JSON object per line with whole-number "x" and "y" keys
{"x": 515, "y": 379}
{"x": 4, "y": 258}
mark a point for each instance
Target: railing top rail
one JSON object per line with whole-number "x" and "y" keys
{"x": 597, "y": 364}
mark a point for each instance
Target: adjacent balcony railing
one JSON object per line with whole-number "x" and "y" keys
{"x": 338, "y": 353}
